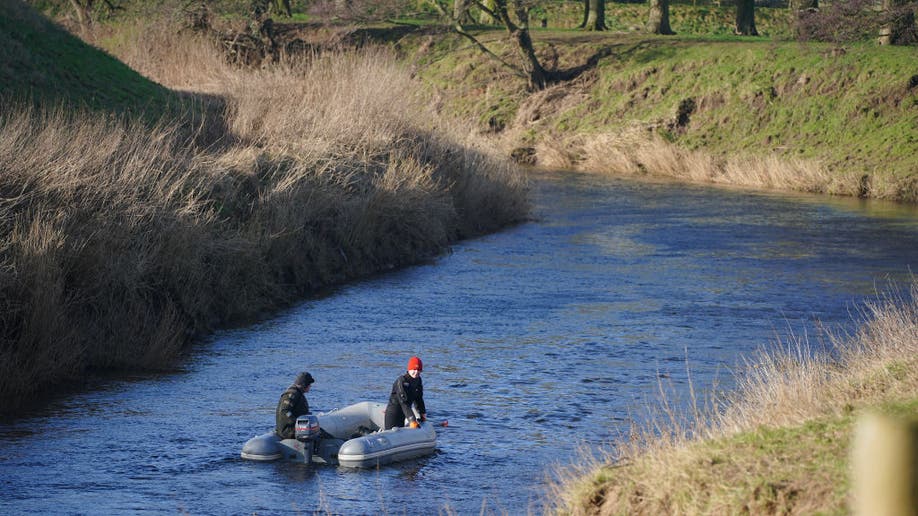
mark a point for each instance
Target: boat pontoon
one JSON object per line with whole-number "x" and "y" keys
{"x": 350, "y": 437}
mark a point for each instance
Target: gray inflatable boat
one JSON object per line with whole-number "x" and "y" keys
{"x": 350, "y": 437}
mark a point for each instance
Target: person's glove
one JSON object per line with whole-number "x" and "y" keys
{"x": 414, "y": 424}
{"x": 423, "y": 417}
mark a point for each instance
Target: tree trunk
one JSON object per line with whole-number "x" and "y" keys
{"x": 531, "y": 64}
{"x": 83, "y": 14}
{"x": 900, "y": 23}
{"x": 596, "y": 15}
{"x": 520, "y": 33}
{"x": 485, "y": 18}
{"x": 586, "y": 14}
{"x": 530, "y": 67}
{"x": 659, "y": 18}
{"x": 745, "y": 18}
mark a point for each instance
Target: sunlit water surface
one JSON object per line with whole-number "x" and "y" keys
{"x": 538, "y": 342}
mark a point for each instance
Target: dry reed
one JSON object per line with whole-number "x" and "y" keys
{"x": 639, "y": 152}
{"x": 121, "y": 242}
{"x": 696, "y": 464}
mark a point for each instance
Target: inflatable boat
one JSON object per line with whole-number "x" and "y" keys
{"x": 349, "y": 437}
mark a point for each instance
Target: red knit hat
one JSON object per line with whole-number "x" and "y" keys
{"x": 415, "y": 363}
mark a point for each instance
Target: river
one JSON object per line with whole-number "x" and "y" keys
{"x": 538, "y": 342}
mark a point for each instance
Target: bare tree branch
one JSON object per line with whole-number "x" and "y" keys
{"x": 462, "y": 32}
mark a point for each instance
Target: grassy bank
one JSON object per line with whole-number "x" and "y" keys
{"x": 126, "y": 236}
{"x": 46, "y": 65}
{"x": 779, "y": 444}
{"x": 757, "y": 112}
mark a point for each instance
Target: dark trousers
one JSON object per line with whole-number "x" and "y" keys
{"x": 394, "y": 416}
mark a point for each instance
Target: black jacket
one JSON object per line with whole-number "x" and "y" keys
{"x": 405, "y": 392}
{"x": 292, "y": 404}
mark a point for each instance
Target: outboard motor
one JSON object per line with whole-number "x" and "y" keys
{"x": 307, "y": 432}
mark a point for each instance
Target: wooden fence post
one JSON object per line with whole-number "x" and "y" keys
{"x": 885, "y": 466}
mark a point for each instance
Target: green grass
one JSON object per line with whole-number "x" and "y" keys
{"x": 41, "y": 62}
{"x": 853, "y": 110}
{"x": 767, "y": 469}
{"x": 803, "y": 468}
{"x": 782, "y": 461}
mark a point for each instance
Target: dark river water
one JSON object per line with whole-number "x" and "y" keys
{"x": 538, "y": 342}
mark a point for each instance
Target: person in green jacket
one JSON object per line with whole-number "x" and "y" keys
{"x": 292, "y": 404}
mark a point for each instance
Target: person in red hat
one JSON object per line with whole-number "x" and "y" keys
{"x": 407, "y": 391}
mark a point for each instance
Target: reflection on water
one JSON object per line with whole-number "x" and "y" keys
{"x": 536, "y": 341}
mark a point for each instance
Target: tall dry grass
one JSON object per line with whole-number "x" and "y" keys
{"x": 878, "y": 362}
{"x": 95, "y": 216}
{"x": 638, "y": 152}
{"x": 695, "y": 463}
{"x": 122, "y": 242}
